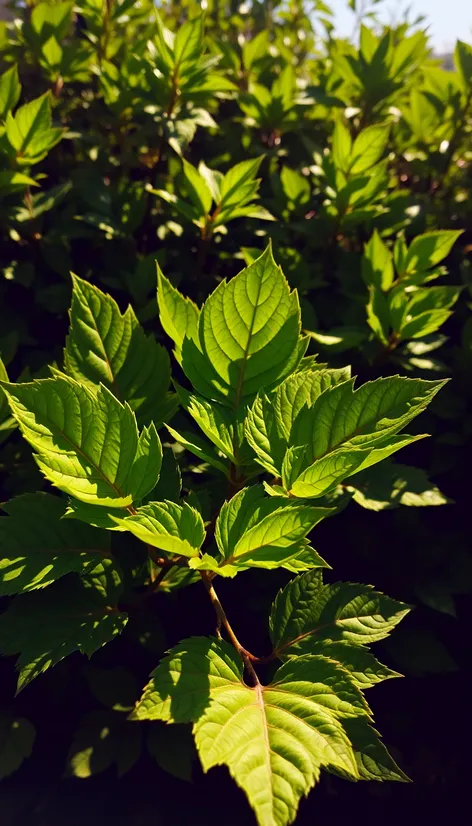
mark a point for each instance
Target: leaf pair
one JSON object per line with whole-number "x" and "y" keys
{"x": 231, "y": 194}
{"x": 402, "y": 307}
{"x": 276, "y": 738}
{"x": 316, "y": 430}
{"x": 256, "y": 531}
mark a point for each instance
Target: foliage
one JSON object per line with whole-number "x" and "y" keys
{"x": 298, "y": 193}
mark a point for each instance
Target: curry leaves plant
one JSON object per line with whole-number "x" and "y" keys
{"x": 283, "y": 430}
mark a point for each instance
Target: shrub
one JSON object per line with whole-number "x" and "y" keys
{"x": 297, "y": 192}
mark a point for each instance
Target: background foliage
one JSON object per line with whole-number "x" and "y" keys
{"x": 120, "y": 148}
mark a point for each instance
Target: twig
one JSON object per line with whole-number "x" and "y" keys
{"x": 222, "y": 620}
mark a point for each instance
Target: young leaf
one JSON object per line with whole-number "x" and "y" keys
{"x": 362, "y": 418}
{"x": 269, "y": 421}
{"x": 239, "y": 184}
{"x": 377, "y": 264}
{"x": 342, "y": 146}
{"x": 215, "y": 420}
{"x": 38, "y": 546}
{"x": 257, "y": 531}
{"x": 30, "y": 132}
{"x": 307, "y": 611}
{"x": 425, "y": 251}
{"x": 368, "y": 148}
{"x": 175, "y": 529}
{"x": 295, "y": 186}
{"x": 378, "y": 316}
{"x": 275, "y": 738}
{"x": 107, "y": 346}
{"x": 365, "y": 669}
{"x": 324, "y": 474}
{"x": 463, "y": 61}
{"x": 198, "y": 190}
{"x": 85, "y": 444}
{"x": 248, "y": 335}
{"x": 70, "y": 615}
{"x": 10, "y": 91}
{"x": 178, "y": 315}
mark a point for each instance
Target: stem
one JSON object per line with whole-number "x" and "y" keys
{"x": 222, "y": 619}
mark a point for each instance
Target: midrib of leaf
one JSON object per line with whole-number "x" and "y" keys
{"x": 238, "y": 557}
{"x": 242, "y": 371}
{"x": 261, "y": 705}
{"x": 334, "y": 623}
{"x": 112, "y": 378}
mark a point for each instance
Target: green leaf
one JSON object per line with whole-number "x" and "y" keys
{"x": 255, "y": 49}
{"x": 107, "y": 346}
{"x": 372, "y": 758}
{"x": 324, "y": 474}
{"x": 342, "y": 146}
{"x": 295, "y": 186}
{"x": 239, "y": 184}
{"x": 199, "y": 447}
{"x": 275, "y": 738}
{"x": 248, "y": 335}
{"x": 213, "y": 419}
{"x": 188, "y": 43}
{"x": 10, "y": 91}
{"x": 30, "y": 132}
{"x": 378, "y": 316}
{"x": 87, "y": 445}
{"x": 307, "y": 611}
{"x": 52, "y": 54}
{"x": 390, "y": 485}
{"x": 71, "y": 615}
{"x": 17, "y": 736}
{"x": 377, "y": 264}
{"x": 427, "y": 250}
{"x": 253, "y": 530}
{"x": 368, "y": 148}
{"x": 38, "y": 546}
{"x": 46, "y": 18}
{"x": 270, "y": 419}
{"x": 365, "y": 669}
{"x": 197, "y": 189}
{"x": 190, "y": 212}
{"x": 178, "y": 315}
{"x": 344, "y": 417}
{"x": 175, "y": 529}
{"x": 213, "y": 180}
{"x": 463, "y": 61}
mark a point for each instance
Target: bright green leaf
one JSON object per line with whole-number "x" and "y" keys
{"x": 307, "y": 611}
{"x": 248, "y": 335}
{"x": 175, "y": 529}
{"x": 107, "y": 346}
{"x": 274, "y": 738}
{"x": 44, "y": 627}
{"x": 38, "y": 546}
{"x": 86, "y": 444}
